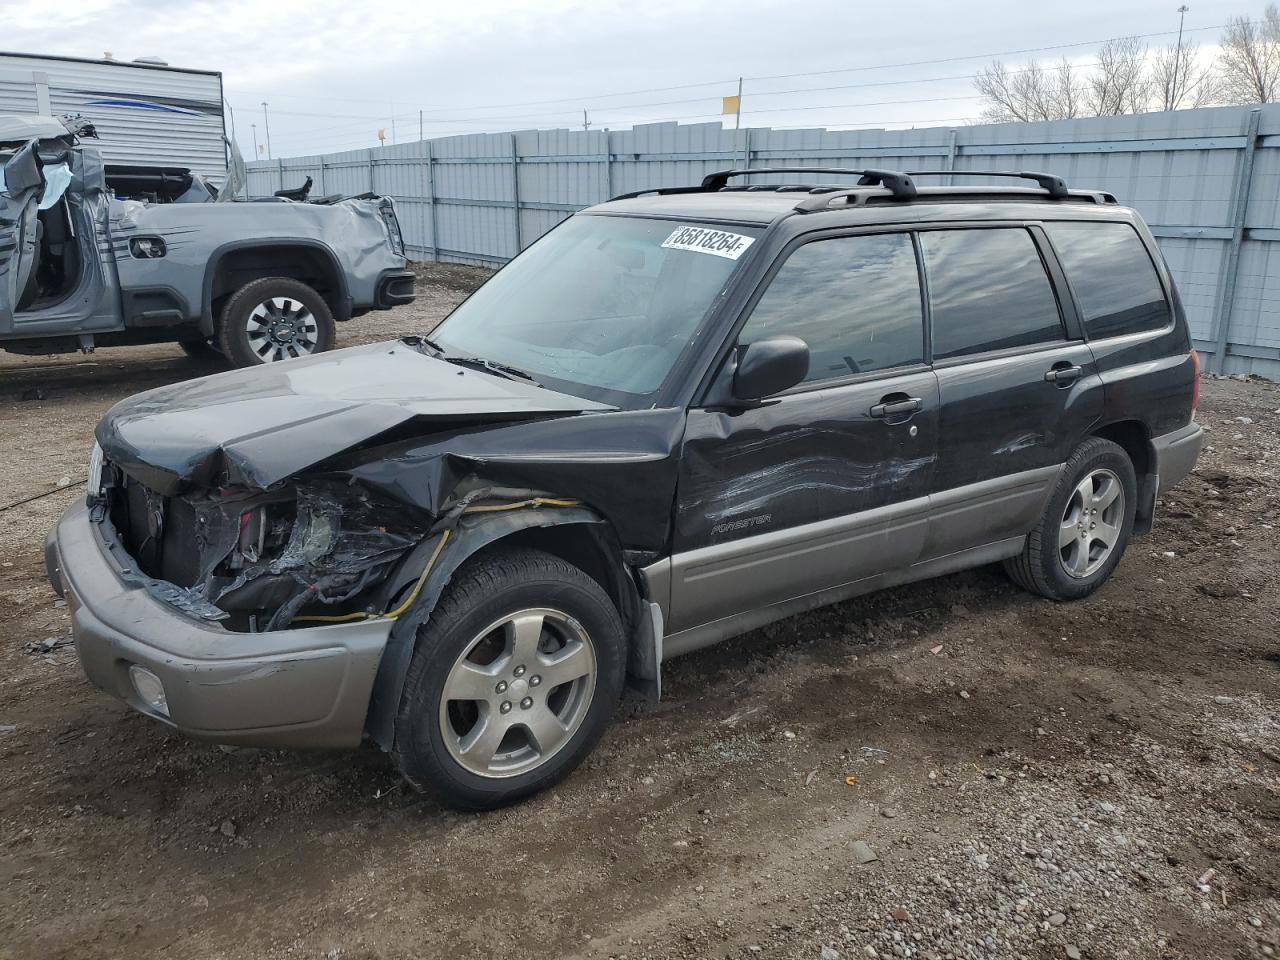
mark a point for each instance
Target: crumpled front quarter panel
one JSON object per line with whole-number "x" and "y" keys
{"x": 622, "y": 465}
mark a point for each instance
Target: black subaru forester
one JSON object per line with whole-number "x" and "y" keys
{"x": 678, "y": 416}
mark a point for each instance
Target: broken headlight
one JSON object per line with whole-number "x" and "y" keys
{"x": 319, "y": 552}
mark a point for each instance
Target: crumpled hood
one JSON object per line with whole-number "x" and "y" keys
{"x": 258, "y": 426}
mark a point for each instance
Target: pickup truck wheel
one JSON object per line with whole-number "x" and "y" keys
{"x": 514, "y": 679}
{"x": 273, "y": 319}
{"x": 1085, "y": 527}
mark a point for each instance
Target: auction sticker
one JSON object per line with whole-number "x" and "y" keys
{"x": 718, "y": 243}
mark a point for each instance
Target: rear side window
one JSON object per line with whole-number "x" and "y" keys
{"x": 854, "y": 300}
{"x": 988, "y": 290}
{"x": 1112, "y": 277}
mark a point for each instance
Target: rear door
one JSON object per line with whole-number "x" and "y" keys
{"x": 827, "y": 483}
{"x": 19, "y": 204}
{"x": 1018, "y": 383}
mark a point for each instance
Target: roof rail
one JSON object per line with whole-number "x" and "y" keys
{"x": 1055, "y": 185}
{"x": 901, "y": 185}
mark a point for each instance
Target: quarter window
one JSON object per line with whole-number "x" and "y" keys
{"x": 1112, "y": 276}
{"x": 854, "y": 300}
{"x": 988, "y": 290}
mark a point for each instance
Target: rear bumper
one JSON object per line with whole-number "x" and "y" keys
{"x": 395, "y": 287}
{"x": 1176, "y": 453}
{"x": 286, "y": 688}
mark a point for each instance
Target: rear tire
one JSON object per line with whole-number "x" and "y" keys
{"x": 1085, "y": 528}
{"x": 513, "y": 680}
{"x": 275, "y": 319}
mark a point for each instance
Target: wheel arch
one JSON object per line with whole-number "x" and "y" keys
{"x": 238, "y": 262}
{"x": 577, "y": 535}
{"x": 1134, "y": 438}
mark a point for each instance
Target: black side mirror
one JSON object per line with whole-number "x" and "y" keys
{"x": 770, "y": 366}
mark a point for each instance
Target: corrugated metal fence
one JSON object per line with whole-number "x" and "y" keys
{"x": 1207, "y": 181}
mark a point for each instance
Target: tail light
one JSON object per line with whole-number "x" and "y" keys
{"x": 1195, "y": 383}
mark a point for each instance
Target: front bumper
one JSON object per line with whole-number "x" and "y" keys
{"x": 287, "y": 688}
{"x": 1176, "y": 453}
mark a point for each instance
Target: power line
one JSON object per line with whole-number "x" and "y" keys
{"x": 331, "y": 132}
{"x": 578, "y": 99}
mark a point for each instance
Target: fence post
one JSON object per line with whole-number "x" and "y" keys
{"x": 1239, "y": 211}
{"x": 372, "y": 161}
{"x": 746, "y": 149}
{"x": 323, "y": 192}
{"x": 950, "y": 162}
{"x": 515, "y": 192}
{"x": 280, "y": 172}
{"x": 431, "y": 202}
{"x": 608, "y": 166}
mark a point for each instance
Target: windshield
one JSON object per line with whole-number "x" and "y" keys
{"x": 602, "y": 306}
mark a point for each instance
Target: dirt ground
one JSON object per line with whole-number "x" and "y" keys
{"x": 1099, "y": 779}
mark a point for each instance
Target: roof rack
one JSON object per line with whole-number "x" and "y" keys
{"x": 1055, "y": 185}
{"x": 900, "y": 185}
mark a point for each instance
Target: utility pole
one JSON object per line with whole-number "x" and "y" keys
{"x": 254, "y": 128}
{"x": 586, "y": 124}
{"x": 737, "y": 120}
{"x": 266, "y": 124}
{"x": 1177, "y": 59}
{"x": 420, "y": 136}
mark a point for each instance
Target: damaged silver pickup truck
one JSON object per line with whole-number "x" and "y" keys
{"x": 95, "y": 256}
{"x": 676, "y": 417}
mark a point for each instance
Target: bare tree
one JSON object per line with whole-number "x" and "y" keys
{"x": 1249, "y": 63}
{"x": 1120, "y": 83}
{"x": 1029, "y": 93}
{"x": 1179, "y": 78}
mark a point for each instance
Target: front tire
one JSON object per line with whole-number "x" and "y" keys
{"x": 275, "y": 319}
{"x": 1085, "y": 528}
{"x": 514, "y": 678}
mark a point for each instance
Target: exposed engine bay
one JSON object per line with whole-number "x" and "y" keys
{"x": 256, "y": 561}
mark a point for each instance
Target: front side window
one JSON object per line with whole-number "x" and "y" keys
{"x": 854, "y": 300}
{"x": 1112, "y": 276}
{"x": 602, "y": 306}
{"x": 988, "y": 290}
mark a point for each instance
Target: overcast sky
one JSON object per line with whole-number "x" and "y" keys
{"x": 334, "y": 71}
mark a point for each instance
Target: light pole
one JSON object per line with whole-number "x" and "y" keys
{"x": 1174, "y": 95}
{"x": 254, "y": 128}
{"x": 266, "y": 124}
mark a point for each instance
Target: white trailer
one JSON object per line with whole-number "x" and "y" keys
{"x": 147, "y": 114}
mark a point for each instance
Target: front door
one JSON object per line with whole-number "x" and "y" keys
{"x": 19, "y": 204}
{"x": 828, "y": 483}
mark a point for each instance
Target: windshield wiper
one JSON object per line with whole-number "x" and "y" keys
{"x": 432, "y": 344}
{"x": 492, "y": 366}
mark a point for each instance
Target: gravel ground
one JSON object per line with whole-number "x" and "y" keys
{"x": 946, "y": 770}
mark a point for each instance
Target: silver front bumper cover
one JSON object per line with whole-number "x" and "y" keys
{"x": 287, "y": 688}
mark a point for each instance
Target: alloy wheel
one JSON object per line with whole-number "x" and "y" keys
{"x": 518, "y": 693}
{"x": 280, "y": 328}
{"x": 1091, "y": 524}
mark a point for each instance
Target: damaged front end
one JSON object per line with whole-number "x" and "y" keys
{"x": 310, "y": 551}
